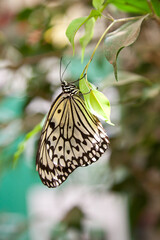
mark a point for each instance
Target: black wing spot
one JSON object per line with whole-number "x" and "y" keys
{"x": 78, "y": 141}
{"x": 47, "y": 142}
{"x": 54, "y": 138}
{"x": 52, "y": 148}
{"x": 60, "y": 148}
{"x": 68, "y": 151}
{"x": 78, "y": 124}
{"x": 84, "y": 142}
{"x": 52, "y": 125}
{"x": 59, "y": 110}
{"x": 77, "y": 148}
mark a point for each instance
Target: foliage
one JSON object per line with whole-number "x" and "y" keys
{"x": 114, "y": 42}
{"x": 27, "y": 41}
{"x": 128, "y": 33}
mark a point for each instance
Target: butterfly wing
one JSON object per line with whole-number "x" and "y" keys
{"x": 71, "y": 137}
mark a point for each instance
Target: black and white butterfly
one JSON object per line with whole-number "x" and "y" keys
{"x": 71, "y": 137}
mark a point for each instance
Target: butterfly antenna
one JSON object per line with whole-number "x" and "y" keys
{"x": 60, "y": 73}
{"x": 65, "y": 70}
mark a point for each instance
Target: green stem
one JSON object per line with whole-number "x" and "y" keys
{"x": 101, "y": 38}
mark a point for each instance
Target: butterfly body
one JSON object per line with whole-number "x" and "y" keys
{"x": 71, "y": 137}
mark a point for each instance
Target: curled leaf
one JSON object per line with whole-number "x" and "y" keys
{"x": 96, "y": 102}
{"x": 122, "y": 37}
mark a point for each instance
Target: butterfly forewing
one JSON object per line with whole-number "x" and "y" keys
{"x": 71, "y": 137}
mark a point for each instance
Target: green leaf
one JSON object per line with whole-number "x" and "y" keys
{"x": 100, "y": 105}
{"x": 122, "y": 37}
{"x": 95, "y": 101}
{"x": 156, "y": 6}
{"x": 84, "y": 85}
{"x": 97, "y": 4}
{"x": 73, "y": 28}
{"x": 94, "y": 13}
{"x": 75, "y": 25}
{"x": 24, "y": 14}
{"x": 135, "y": 6}
{"x": 30, "y": 134}
{"x": 89, "y": 29}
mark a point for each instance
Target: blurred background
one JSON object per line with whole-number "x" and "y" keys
{"x": 118, "y": 197}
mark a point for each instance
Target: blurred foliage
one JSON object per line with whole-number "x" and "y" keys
{"x": 18, "y": 226}
{"x": 72, "y": 225}
{"x": 32, "y": 40}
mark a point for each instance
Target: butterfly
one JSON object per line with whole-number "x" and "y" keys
{"x": 71, "y": 137}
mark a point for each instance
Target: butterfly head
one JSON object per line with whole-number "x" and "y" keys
{"x": 69, "y": 88}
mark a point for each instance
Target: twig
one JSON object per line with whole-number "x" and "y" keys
{"x": 153, "y": 12}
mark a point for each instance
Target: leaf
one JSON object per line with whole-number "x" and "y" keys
{"x": 30, "y": 134}
{"x": 125, "y": 78}
{"x": 95, "y": 101}
{"x": 84, "y": 86}
{"x": 156, "y": 6}
{"x": 75, "y": 25}
{"x": 97, "y": 4}
{"x": 89, "y": 27}
{"x": 94, "y": 13}
{"x": 122, "y": 37}
{"x": 73, "y": 28}
{"x": 24, "y": 14}
{"x": 135, "y": 6}
{"x": 100, "y": 105}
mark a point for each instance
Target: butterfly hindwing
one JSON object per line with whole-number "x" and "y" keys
{"x": 71, "y": 137}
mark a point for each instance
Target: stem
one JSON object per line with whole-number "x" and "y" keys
{"x": 153, "y": 12}
{"x": 127, "y": 19}
{"x": 150, "y": 6}
{"x": 108, "y": 17}
{"x": 105, "y": 32}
